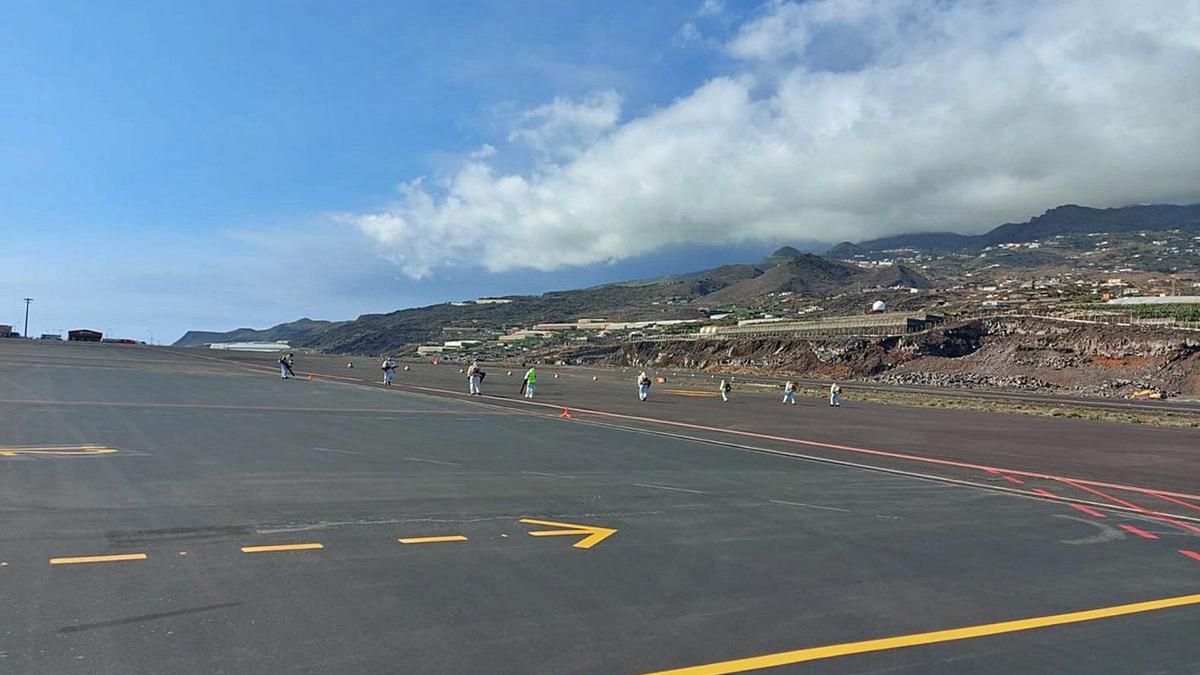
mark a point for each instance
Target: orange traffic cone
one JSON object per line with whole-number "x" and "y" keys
{"x": 310, "y": 376}
{"x": 565, "y": 414}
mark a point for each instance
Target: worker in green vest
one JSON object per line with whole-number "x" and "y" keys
{"x": 530, "y": 381}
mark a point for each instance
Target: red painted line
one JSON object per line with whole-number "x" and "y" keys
{"x": 1140, "y": 509}
{"x": 1086, "y": 509}
{"x": 1191, "y": 554}
{"x": 1176, "y": 501}
{"x": 1018, "y": 481}
{"x": 1139, "y": 532}
{"x": 1046, "y": 493}
{"x": 868, "y": 451}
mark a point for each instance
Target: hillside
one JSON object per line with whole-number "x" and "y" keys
{"x": 801, "y": 273}
{"x": 293, "y": 331}
{"x": 1078, "y": 250}
{"x": 1067, "y": 219}
{"x": 674, "y": 297}
{"x": 1023, "y": 354}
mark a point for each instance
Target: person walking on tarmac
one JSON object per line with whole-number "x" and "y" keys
{"x": 285, "y": 366}
{"x": 789, "y": 392}
{"x": 530, "y": 381}
{"x": 389, "y": 370}
{"x": 475, "y": 379}
{"x": 724, "y": 389}
{"x": 643, "y": 381}
{"x": 835, "y": 395}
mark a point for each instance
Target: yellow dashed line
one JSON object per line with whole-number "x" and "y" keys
{"x": 432, "y": 540}
{"x": 98, "y": 559}
{"x": 281, "y": 547}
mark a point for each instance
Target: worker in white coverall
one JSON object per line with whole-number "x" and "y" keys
{"x": 643, "y": 381}
{"x": 835, "y": 395}
{"x": 285, "y": 366}
{"x": 789, "y": 392}
{"x": 389, "y": 370}
{"x": 724, "y": 389}
{"x": 475, "y": 380}
{"x": 530, "y": 381}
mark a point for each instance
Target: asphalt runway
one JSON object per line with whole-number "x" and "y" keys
{"x": 313, "y": 525}
{"x": 1110, "y": 453}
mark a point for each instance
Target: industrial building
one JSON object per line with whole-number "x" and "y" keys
{"x": 1156, "y": 300}
{"x": 866, "y": 325}
{"x": 252, "y": 346}
{"x": 84, "y": 335}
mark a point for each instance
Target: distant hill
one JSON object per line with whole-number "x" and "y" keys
{"x": 299, "y": 330}
{"x": 680, "y": 296}
{"x": 673, "y": 297}
{"x": 895, "y": 276}
{"x": 802, "y": 273}
{"x": 1068, "y": 219}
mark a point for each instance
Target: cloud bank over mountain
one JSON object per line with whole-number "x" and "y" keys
{"x": 840, "y": 119}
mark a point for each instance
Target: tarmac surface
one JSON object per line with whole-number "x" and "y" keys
{"x": 191, "y": 512}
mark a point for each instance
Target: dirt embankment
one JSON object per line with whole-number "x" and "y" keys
{"x": 1024, "y": 354}
{"x": 1093, "y": 359}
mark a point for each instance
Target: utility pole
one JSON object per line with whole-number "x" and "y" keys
{"x": 27, "y": 301}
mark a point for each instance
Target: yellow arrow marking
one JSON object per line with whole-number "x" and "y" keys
{"x": 60, "y": 450}
{"x": 595, "y": 534}
{"x": 882, "y": 644}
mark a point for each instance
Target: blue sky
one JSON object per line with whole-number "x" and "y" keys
{"x": 166, "y": 166}
{"x": 136, "y": 137}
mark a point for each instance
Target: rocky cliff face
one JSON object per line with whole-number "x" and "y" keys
{"x": 841, "y": 358}
{"x": 1023, "y": 354}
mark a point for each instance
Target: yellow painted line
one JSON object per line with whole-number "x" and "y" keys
{"x": 280, "y": 547}
{"x": 60, "y": 450}
{"x": 98, "y": 559}
{"x": 883, "y": 644}
{"x": 432, "y": 540}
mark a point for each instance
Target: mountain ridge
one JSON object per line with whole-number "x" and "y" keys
{"x": 674, "y": 297}
{"x": 1064, "y": 219}
{"x": 691, "y": 295}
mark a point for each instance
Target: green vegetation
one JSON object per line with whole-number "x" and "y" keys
{"x": 1180, "y": 310}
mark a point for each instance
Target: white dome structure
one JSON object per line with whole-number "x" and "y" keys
{"x": 879, "y": 306}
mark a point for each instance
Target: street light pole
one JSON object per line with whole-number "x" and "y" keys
{"x": 27, "y": 301}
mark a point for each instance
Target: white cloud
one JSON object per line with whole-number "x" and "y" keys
{"x": 688, "y": 33}
{"x": 562, "y": 129}
{"x": 711, "y": 8}
{"x": 847, "y": 119}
